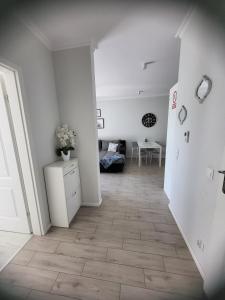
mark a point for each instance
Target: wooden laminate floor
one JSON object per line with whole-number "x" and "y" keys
{"x": 128, "y": 249}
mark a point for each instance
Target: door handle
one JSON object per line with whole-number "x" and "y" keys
{"x": 221, "y": 172}
{"x": 223, "y": 188}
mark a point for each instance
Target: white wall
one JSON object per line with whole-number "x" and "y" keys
{"x": 194, "y": 195}
{"x": 34, "y": 62}
{"x": 75, "y": 82}
{"x": 171, "y": 148}
{"x": 123, "y": 119}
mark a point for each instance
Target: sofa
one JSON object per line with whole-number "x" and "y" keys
{"x": 118, "y": 165}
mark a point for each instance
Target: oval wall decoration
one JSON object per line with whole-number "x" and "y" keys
{"x": 182, "y": 115}
{"x": 149, "y": 120}
{"x": 203, "y": 88}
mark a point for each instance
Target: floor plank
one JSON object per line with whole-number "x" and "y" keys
{"x": 167, "y": 228}
{"x": 101, "y": 212}
{"x": 36, "y": 295}
{"x": 120, "y": 232}
{"x": 28, "y": 277}
{"x": 58, "y": 263}
{"x": 102, "y": 239}
{"x": 174, "y": 283}
{"x": 135, "y": 293}
{"x": 86, "y": 288}
{"x": 82, "y": 226}
{"x": 164, "y": 237}
{"x": 183, "y": 252}
{"x": 8, "y": 292}
{"x": 135, "y": 259}
{"x": 41, "y": 244}
{"x": 95, "y": 219}
{"x": 114, "y": 272}
{"x": 146, "y": 216}
{"x": 61, "y": 234}
{"x": 181, "y": 266}
{"x": 23, "y": 257}
{"x": 83, "y": 251}
{"x": 150, "y": 247}
{"x": 134, "y": 225}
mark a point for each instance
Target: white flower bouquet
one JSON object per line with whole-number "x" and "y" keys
{"x": 65, "y": 139}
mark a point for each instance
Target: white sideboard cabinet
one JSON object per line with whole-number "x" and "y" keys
{"x": 63, "y": 191}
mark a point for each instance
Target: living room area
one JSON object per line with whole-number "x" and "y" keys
{"x": 132, "y": 83}
{"x": 132, "y": 101}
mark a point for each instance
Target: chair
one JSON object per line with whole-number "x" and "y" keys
{"x": 155, "y": 152}
{"x": 150, "y": 155}
{"x": 135, "y": 148}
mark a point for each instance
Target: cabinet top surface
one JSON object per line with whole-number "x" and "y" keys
{"x": 72, "y": 163}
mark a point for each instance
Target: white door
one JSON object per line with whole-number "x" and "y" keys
{"x": 13, "y": 213}
{"x": 216, "y": 254}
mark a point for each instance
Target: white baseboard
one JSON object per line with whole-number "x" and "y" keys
{"x": 189, "y": 247}
{"x": 92, "y": 204}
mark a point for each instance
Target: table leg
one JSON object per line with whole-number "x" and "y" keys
{"x": 139, "y": 157}
{"x": 160, "y": 157}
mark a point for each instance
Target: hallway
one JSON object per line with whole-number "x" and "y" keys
{"x": 128, "y": 249}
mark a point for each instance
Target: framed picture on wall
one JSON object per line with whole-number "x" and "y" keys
{"x": 100, "y": 123}
{"x": 98, "y": 112}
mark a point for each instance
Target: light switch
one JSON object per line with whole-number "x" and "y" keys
{"x": 210, "y": 173}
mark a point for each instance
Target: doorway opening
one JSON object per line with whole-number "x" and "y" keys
{"x": 19, "y": 214}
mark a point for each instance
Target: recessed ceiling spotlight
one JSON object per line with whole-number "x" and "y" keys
{"x": 140, "y": 92}
{"x": 147, "y": 63}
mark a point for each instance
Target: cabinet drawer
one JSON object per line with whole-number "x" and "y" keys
{"x": 73, "y": 204}
{"x": 69, "y": 167}
{"x": 71, "y": 181}
{"x": 72, "y": 192}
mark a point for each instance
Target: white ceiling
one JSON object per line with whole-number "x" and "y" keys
{"x": 126, "y": 36}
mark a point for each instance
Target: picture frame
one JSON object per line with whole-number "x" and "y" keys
{"x": 100, "y": 123}
{"x": 98, "y": 112}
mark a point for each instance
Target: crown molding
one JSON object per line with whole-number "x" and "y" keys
{"x": 35, "y": 31}
{"x": 44, "y": 40}
{"x": 185, "y": 22}
{"x": 73, "y": 45}
{"x": 99, "y": 99}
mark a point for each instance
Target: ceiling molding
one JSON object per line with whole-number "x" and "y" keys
{"x": 73, "y": 45}
{"x": 44, "y": 40}
{"x": 98, "y": 99}
{"x": 185, "y": 22}
{"x": 36, "y": 31}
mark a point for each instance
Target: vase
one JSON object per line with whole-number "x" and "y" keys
{"x": 65, "y": 157}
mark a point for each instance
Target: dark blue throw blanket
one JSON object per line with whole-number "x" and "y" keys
{"x": 107, "y": 160}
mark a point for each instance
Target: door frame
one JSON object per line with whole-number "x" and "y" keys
{"x": 26, "y": 162}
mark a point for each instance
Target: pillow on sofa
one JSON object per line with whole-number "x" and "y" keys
{"x": 112, "y": 147}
